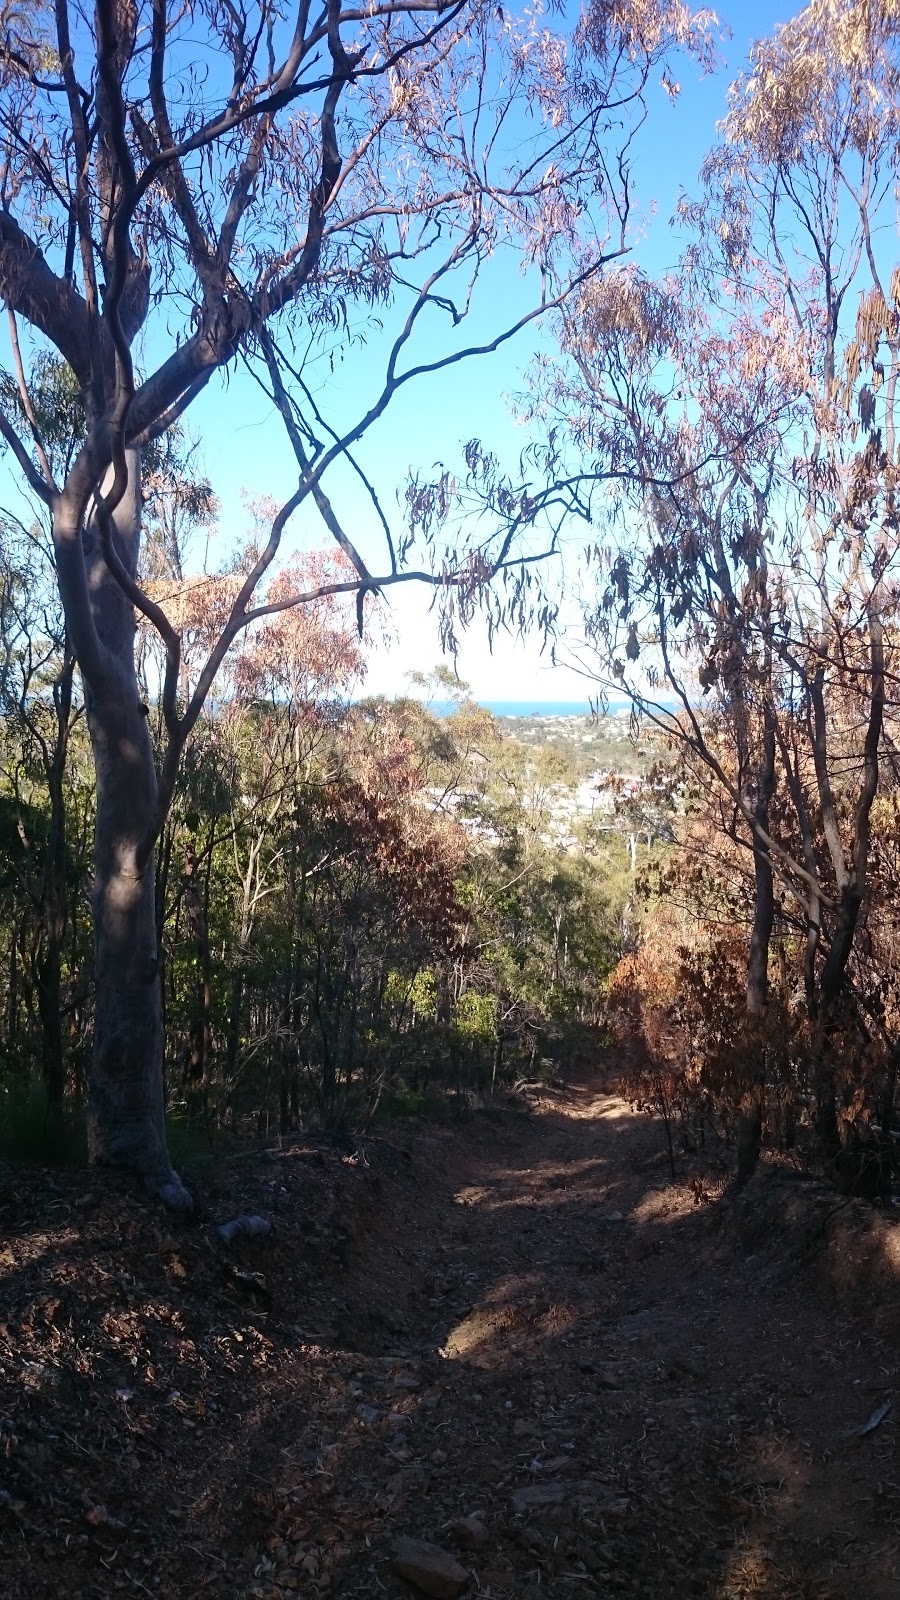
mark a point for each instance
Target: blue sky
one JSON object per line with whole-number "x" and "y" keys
{"x": 244, "y": 450}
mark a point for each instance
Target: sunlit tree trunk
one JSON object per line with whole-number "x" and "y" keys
{"x": 126, "y": 1113}
{"x": 125, "y": 1106}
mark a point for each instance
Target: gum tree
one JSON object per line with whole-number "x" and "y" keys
{"x": 750, "y": 415}
{"x": 190, "y": 186}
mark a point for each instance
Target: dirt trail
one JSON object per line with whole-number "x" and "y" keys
{"x": 531, "y": 1323}
{"x": 696, "y": 1413}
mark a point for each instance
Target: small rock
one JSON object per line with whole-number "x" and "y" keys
{"x": 439, "y": 1457}
{"x": 429, "y": 1568}
{"x": 470, "y": 1532}
{"x": 535, "y": 1495}
{"x": 370, "y": 1415}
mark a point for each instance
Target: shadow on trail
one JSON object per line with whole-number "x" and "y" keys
{"x": 687, "y": 1420}
{"x": 516, "y": 1315}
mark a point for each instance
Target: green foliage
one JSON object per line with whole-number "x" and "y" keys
{"x": 475, "y": 1017}
{"x": 362, "y": 910}
{"x": 419, "y": 994}
{"x": 57, "y": 407}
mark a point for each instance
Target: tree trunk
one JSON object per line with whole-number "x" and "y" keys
{"x": 126, "y": 1110}
{"x": 834, "y": 972}
{"x": 126, "y": 1113}
{"x": 749, "y": 1127}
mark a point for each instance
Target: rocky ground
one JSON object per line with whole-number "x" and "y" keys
{"x": 509, "y": 1336}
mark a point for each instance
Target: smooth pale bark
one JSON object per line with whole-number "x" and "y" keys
{"x": 126, "y": 1108}
{"x": 126, "y": 1121}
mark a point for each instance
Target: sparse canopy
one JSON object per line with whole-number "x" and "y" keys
{"x": 735, "y": 427}
{"x": 188, "y": 186}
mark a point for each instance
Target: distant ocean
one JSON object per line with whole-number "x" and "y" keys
{"x": 531, "y": 708}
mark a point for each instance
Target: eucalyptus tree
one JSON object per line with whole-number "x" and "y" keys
{"x": 735, "y": 426}
{"x": 185, "y": 187}
{"x": 801, "y": 197}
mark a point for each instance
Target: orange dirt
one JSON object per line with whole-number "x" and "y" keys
{"x": 515, "y": 1315}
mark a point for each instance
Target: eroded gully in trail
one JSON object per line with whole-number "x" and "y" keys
{"x": 628, "y": 1405}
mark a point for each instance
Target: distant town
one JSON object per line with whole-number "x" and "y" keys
{"x": 609, "y": 780}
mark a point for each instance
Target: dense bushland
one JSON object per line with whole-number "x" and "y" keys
{"x": 678, "y": 1000}
{"x": 360, "y": 907}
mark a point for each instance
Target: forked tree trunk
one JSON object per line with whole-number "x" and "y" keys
{"x": 126, "y": 1110}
